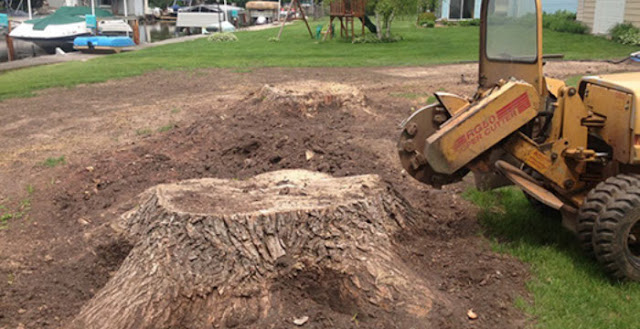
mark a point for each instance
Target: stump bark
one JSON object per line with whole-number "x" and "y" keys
{"x": 208, "y": 252}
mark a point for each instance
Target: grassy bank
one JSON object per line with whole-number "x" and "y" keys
{"x": 570, "y": 290}
{"x": 419, "y": 47}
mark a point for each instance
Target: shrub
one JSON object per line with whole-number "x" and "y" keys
{"x": 373, "y": 39}
{"x": 446, "y": 22}
{"x": 425, "y": 18}
{"x": 222, "y": 37}
{"x": 470, "y": 22}
{"x": 563, "y": 21}
{"x": 625, "y": 33}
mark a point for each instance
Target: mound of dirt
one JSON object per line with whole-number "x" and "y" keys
{"x": 263, "y": 132}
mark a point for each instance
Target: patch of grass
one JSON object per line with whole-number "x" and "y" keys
{"x": 573, "y": 81}
{"x": 175, "y": 110}
{"x": 21, "y": 209}
{"x": 430, "y": 99}
{"x": 253, "y": 50}
{"x": 53, "y": 162}
{"x": 570, "y": 290}
{"x": 166, "y": 128}
{"x": 143, "y": 132}
{"x": 408, "y": 95}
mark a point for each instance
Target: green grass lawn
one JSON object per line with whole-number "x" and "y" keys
{"x": 569, "y": 288}
{"x": 419, "y": 47}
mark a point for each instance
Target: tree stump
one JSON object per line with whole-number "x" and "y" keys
{"x": 208, "y": 252}
{"x": 310, "y": 96}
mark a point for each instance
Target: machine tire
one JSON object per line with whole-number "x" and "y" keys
{"x": 616, "y": 236}
{"x": 595, "y": 203}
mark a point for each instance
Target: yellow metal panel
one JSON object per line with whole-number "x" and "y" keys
{"x": 554, "y": 85}
{"x": 483, "y": 125}
{"x": 573, "y": 111}
{"x": 615, "y": 106}
{"x": 553, "y": 168}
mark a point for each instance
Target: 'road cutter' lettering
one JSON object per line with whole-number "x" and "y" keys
{"x": 492, "y": 123}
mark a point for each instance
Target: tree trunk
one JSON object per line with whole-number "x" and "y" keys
{"x": 389, "y": 20}
{"x": 379, "y": 27}
{"x": 208, "y": 253}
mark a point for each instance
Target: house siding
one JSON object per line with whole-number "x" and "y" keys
{"x": 632, "y": 12}
{"x": 586, "y": 12}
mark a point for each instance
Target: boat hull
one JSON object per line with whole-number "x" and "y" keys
{"x": 50, "y": 44}
{"x": 52, "y": 36}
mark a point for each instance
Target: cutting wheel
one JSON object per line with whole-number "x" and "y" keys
{"x": 415, "y": 130}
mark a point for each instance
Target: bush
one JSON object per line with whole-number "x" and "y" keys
{"x": 369, "y": 38}
{"x": 222, "y": 37}
{"x": 470, "y": 22}
{"x": 563, "y": 21}
{"x": 625, "y": 33}
{"x": 446, "y": 22}
{"x": 425, "y": 18}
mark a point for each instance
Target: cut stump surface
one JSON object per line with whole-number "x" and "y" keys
{"x": 213, "y": 253}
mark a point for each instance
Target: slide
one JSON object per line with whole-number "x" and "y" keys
{"x": 369, "y": 24}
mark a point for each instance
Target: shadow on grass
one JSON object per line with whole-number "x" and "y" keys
{"x": 567, "y": 284}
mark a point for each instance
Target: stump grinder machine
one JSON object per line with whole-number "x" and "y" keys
{"x": 573, "y": 149}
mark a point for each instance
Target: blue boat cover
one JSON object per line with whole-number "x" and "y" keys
{"x": 103, "y": 41}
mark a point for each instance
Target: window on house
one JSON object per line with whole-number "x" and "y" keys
{"x": 461, "y": 9}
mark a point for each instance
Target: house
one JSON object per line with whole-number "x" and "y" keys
{"x": 459, "y": 9}
{"x": 602, "y": 15}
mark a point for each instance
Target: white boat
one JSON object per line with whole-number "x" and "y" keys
{"x": 205, "y": 15}
{"x": 58, "y": 29}
{"x": 114, "y": 27}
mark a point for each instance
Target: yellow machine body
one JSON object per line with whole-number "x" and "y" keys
{"x": 481, "y": 126}
{"x": 570, "y": 137}
{"x": 573, "y": 149}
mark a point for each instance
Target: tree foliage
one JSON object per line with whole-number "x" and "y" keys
{"x": 386, "y": 10}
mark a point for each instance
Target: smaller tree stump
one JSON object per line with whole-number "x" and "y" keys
{"x": 208, "y": 252}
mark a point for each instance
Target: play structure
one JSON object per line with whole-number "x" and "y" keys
{"x": 346, "y": 11}
{"x": 294, "y": 4}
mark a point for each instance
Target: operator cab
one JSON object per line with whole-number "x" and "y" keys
{"x": 511, "y": 42}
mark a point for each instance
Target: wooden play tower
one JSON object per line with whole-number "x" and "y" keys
{"x": 346, "y": 11}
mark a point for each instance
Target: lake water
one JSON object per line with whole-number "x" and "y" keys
{"x": 551, "y": 6}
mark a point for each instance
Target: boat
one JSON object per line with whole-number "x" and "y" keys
{"x": 97, "y": 44}
{"x": 58, "y": 29}
{"x": 202, "y": 16}
{"x": 262, "y": 12}
{"x": 114, "y": 27}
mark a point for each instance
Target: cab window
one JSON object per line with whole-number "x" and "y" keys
{"x": 512, "y": 31}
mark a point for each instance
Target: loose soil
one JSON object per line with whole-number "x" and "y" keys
{"x": 121, "y": 137}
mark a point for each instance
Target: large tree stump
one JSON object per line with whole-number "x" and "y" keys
{"x": 208, "y": 252}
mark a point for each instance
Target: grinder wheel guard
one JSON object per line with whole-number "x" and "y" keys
{"x": 415, "y": 130}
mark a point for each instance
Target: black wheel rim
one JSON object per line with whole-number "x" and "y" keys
{"x": 632, "y": 245}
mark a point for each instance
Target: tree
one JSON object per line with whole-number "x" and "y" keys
{"x": 386, "y": 10}
{"x": 427, "y": 6}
